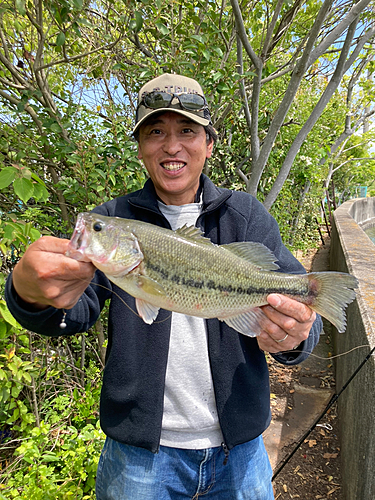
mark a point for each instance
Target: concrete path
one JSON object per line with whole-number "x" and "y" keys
{"x": 308, "y": 399}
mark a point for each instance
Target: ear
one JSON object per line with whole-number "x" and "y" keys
{"x": 139, "y": 153}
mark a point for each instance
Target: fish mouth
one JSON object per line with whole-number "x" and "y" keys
{"x": 173, "y": 166}
{"x": 79, "y": 241}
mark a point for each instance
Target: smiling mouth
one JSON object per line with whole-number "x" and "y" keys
{"x": 173, "y": 167}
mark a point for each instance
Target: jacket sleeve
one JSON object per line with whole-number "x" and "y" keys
{"x": 263, "y": 227}
{"x": 78, "y": 319}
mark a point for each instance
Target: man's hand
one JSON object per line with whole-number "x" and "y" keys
{"x": 46, "y": 277}
{"x": 286, "y": 323}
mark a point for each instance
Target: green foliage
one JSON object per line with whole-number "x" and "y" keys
{"x": 52, "y": 429}
{"x": 50, "y": 439}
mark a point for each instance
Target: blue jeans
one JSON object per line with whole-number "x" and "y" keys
{"x": 131, "y": 473}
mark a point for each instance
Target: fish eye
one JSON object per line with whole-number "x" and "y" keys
{"x": 97, "y": 226}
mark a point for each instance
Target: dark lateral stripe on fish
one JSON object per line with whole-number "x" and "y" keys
{"x": 146, "y": 252}
{"x": 211, "y": 285}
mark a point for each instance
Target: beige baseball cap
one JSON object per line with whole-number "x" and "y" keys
{"x": 172, "y": 84}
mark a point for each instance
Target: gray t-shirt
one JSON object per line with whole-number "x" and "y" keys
{"x": 190, "y": 417}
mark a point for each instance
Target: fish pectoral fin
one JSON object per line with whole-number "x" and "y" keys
{"x": 147, "y": 311}
{"x": 256, "y": 253}
{"x": 247, "y": 323}
{"x": 149, "y": 286}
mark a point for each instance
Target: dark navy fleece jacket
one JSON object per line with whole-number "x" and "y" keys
{"x": 131, "y": 406}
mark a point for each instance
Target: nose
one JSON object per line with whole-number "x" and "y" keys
{"x": 172, "y": 144}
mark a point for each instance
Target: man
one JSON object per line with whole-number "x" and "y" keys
{"x": 184, "y": 400}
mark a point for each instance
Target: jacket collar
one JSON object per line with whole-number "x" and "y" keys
{"x": 213, "y": 197}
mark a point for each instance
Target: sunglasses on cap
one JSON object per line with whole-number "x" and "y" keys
{"x": 157, "y": 99}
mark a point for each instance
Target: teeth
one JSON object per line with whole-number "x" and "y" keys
{"x": 172, "y": 166}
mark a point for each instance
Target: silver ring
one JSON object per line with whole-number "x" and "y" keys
{"x": 281, "y": 340}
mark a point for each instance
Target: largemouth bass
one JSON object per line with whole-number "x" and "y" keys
{"x": 183, "y": 271}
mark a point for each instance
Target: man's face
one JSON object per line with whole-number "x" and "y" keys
{"x": 174, "y": 149}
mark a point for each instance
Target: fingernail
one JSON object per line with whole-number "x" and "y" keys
{"x": 274, "y": 300}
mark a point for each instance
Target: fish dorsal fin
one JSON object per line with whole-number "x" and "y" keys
{"x": 255, "y": 253}
{"x": 193, "y": 233}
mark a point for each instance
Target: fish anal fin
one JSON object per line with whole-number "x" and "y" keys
{"x": 147, "y": 311}
{"x": 256, "y": 253}
{"x": 247, "y": 323}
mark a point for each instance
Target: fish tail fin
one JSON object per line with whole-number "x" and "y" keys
{"x": 332, "y": 292}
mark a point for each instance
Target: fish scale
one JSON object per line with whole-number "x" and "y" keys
{"x": 184, "y": 272}
{"x": 233, "y": 293}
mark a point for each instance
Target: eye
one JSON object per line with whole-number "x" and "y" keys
{"x": 97, "y": 226}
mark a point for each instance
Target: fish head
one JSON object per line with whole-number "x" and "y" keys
{"x": 107, "y": 242}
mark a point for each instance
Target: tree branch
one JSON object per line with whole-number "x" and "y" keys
{"x": 316, "y": 113}
{"x": 79, "y": 56}
{"x": 295, "y": 80}
{"x": 243, "y": 36}
{"x": 241, "y": 84}
{"x": 270, "y": 29}
{"x": 338, "y": 30}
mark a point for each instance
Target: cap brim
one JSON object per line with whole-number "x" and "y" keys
{"x": 191, "y": 116}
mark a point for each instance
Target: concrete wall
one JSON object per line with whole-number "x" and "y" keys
{"x": 352, "y": 251}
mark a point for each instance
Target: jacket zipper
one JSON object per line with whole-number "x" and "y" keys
{"x": 226, "y": 453}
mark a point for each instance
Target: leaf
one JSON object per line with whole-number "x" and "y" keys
{"x": 330, "y": 455}
{"x": 7, "y": 176}
{"x": 55, "y": 127}
{"x": 60, "y": 39}
{"x": 40, "y": 193}
{"x": 207, "y": 54}
{"x": 162, "y": 28}
{"x": 38, "y": 179}
{"x": 34, "y": 234}
{"x": 138, "y": 21}
{"x": 3, "y": 331}
{"x": 76, "y": 29}
{"x": 222, "y": 87}
{"x": 50, "y": 457}
{"x": 21, "y": 107}
{"x": 25, "y": 172}
{"x": 4, "y": 311}
{"x": 78, "y": 4}
{"x": 199, "y": 38}
{"x": 17, "y": 26}
{"x": 121, "y": 66}
{"x": 146, "y": 74}
{"x": 85, "y": 22}
{"x": 312, "y": 442}
{"x": 24, "y": 189}
{"x": 21, "y": 7}
{"x": 217, "y": 76}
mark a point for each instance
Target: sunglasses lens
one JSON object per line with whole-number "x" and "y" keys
{"x": 193, "y": 102}
{"x": 156, "y": 100}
